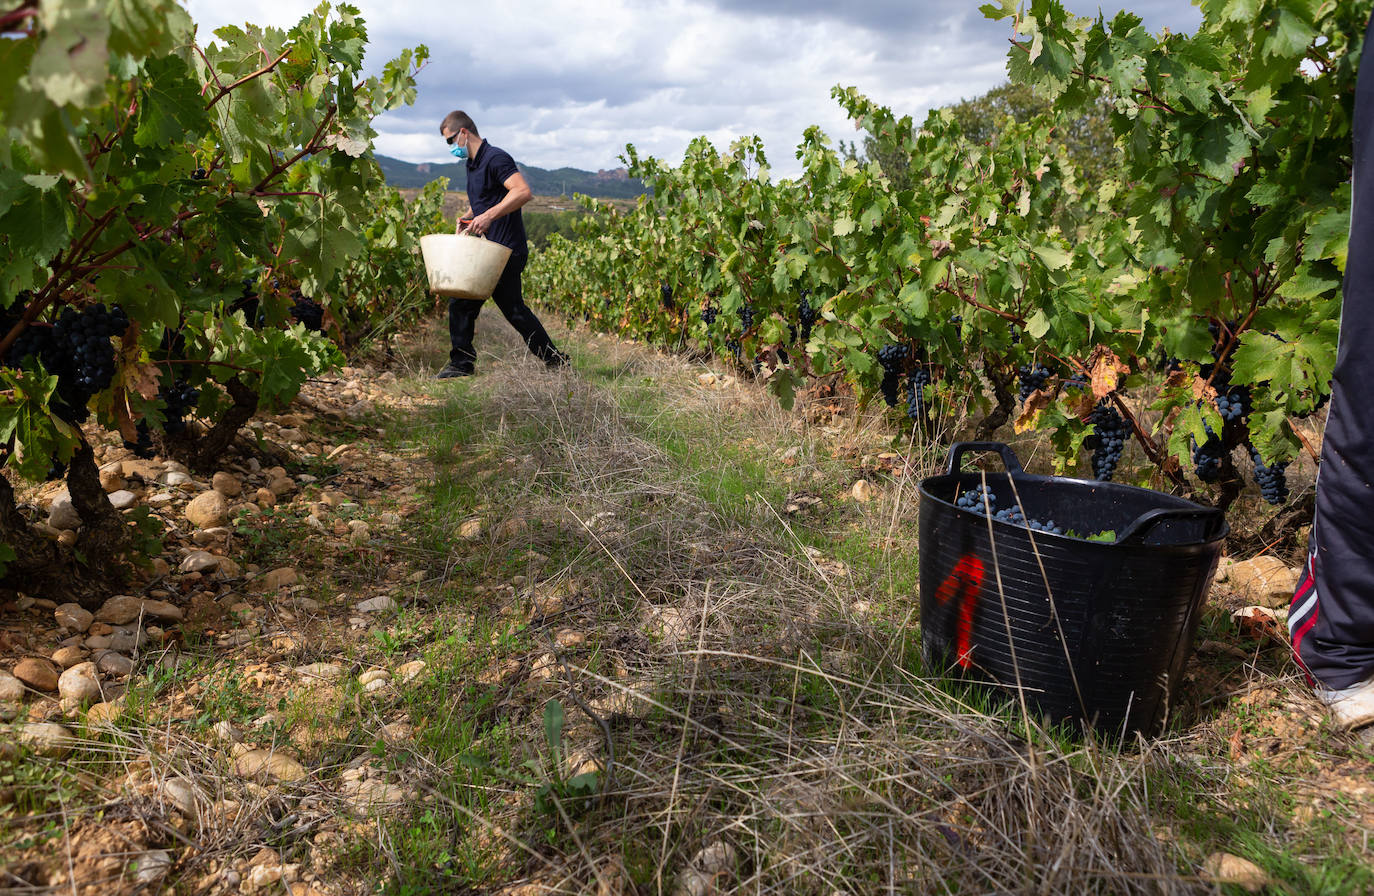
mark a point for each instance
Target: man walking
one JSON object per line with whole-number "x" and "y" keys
{"x": 496, "y": 191}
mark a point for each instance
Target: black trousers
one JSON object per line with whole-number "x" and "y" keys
{"x": 1331, "y": 619}
{"x": 462, "y": 319}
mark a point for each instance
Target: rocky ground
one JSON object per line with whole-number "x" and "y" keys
{"x": 236, "y": 714}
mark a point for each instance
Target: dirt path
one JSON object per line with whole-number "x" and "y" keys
{"x": 625, "y": 629}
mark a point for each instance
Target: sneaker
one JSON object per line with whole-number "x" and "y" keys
{"x": 449, "y": 372}
{"x": 1352, "y": 707}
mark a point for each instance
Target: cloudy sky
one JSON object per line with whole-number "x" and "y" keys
{"x": 558, "y": 83}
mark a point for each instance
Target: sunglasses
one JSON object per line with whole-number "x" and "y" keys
{"x": 450, "y": 140}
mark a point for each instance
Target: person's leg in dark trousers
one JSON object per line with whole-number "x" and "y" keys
{"x": 462, "y": 323}
{"x": 1331, "y": 619}
{"x": 508, "y": 298}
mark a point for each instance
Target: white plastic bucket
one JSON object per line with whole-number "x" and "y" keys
{"x": 463, "y": 266}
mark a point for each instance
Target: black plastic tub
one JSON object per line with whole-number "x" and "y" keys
{"x": 1090, "y": 631}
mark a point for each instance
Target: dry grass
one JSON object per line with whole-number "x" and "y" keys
{"x": 788, "y": 742}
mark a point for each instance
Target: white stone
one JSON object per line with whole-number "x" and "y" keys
{"x": 174, "y": 478}
{"x": 379, "y": 604}
{"x": 199, "y": 561}
{"x": 153, "y": 866}
{"x": 46, "y": 738}
{"x": 80, "y": 683}
{"x": 62, "y": 515}
{"x": 11, "y": 688}
{"x": 123, "y": 499}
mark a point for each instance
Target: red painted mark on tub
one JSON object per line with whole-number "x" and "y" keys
{"x": 963, "y": 585}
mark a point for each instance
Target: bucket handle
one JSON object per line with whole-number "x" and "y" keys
{"x": 1143, "y": 524}
{"x": 959, "y": 449}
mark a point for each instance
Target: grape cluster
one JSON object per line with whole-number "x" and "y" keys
{"x": 1272, "y": 481}
{"x": 180, "y": 398}
{"x": 144, "y": 446}
{"x": 746, "y": 317}
{"x": 980, "y": 500}
{"x": 665, "y": 290}
{"x": 892, "y": 358}
{"x": 1015, "y": 333}
{"x": 806, "y": 314}
{"x": 1234, "y": 404}
{"x": 708, "y": 314}
{"x": 1109, "y": 440}
{"x": 1207, "y": 457}
{"x": 973, "y": 499}
{"x": 916, "y": 383}
{"x": 77, "y": 349}
{"x": 1077, "y": 381}
{"x": 199, "y": 174}
{"x": 1033, "y": 379}
{"x": 308, "y": 312}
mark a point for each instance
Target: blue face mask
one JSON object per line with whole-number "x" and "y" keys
{"x": 459, "y": 152}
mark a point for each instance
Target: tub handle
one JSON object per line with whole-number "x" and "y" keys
{"x": 1143, "y": 524}
{"x": 959, "y": 449}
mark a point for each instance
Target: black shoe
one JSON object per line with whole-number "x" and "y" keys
{"x": 557, "y": 360}
{"x": 449, "y": 372}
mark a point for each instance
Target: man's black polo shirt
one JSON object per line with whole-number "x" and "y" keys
{"x": 488, "y": 170}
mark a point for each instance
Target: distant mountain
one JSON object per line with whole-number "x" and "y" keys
{"x": 613, "y": 184}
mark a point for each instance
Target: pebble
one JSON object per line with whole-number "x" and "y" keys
{"x": 226, "y": 484}
{"x": 207, "y": 510}
{"x": 153, "y": 866}
{"x": 69, "y": 656}
{"x": 264, "y": 498}
{"x": 127, "y": 639}
{"x": 1224, "y": 868}
{"x": 323, "y": 671}
{"x": 39, "y": 674}
{"x": 373, "y": 675}
{"x": 279, "y": 578}
{"x": 115, "y": 664}
{"x": 225, "y": 731}
{"x": 160, "y": 500}
{"x": 62, "y": 515}
{"x": 398, "y": 733}
{"x": 174, "y": 478}
{"x": 162, "y": 610}
{"x": 119, "y": 610}
{"x": 80, "y": 683}
{"x": 265, "y": 763}
{"x": 219, "y": 535}
{"x": 46, "y": 738}
{"x": 470, "y": 529}
{"x": 199, "y": 561}
{"x": 379, "y": 604}
{"x": 281, "y": 486}
{"x": 111, "y": 478}
{"x": 11, "y": 688}
{"x": 410, "y": 671}
{"x": 73, "y": 617}
{"x": 102, "y": 715}
{"x": 123, "y": 499}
